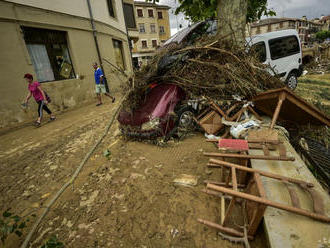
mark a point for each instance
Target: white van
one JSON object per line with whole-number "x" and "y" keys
{"x": 282, "y": 51}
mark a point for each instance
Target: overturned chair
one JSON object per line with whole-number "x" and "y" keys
{"x": 254, "y": 198}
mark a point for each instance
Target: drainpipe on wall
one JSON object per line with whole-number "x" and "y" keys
{"x": 96, "y": 42}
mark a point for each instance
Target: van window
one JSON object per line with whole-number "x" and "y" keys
{"x": 283, "y": 47}
{"x": 260, "y": 50}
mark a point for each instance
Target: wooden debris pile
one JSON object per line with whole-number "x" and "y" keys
{"x": 206, "y": 69}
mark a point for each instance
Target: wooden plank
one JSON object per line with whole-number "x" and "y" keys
{"x": 262, "y": 157}
{"x": 260, "y": 186}
{"x": 234, "y": 178}
{"x": 270, "y": 203}
{"x": 215, "y": 162}
{"x": 222, "y": 210}
{"x": 317, "y": 200}
{"x": 293, "y": 194}
{"x": 281, "y": 98}
{"x": 255, "y": 222}
{"x": 309, "y": 109}
{"x": 224, "y": 184}
{"x": 229, "y": 209}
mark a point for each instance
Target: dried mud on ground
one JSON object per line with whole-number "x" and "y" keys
{"x": 128, "y": 200}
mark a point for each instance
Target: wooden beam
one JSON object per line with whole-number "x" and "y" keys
{"x": 221, "y": 228}
{"x": 223, "y": 183}
{"x": 270, "y": 203}
{"x": 261, "y": 157}
{"x": 260, "y": 186}
{"x": 281, "y": 98}
{"x": 234, "y": 178}
{"x": 222, "y": 210}
{"x": 220, "y": 164}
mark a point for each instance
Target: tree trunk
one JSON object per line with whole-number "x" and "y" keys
{"x": 232, "y": 21}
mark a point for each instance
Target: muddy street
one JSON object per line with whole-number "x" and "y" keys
{"x": 128, "y": 199}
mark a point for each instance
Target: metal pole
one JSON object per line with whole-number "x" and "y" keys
{"x": 96, "y": 42}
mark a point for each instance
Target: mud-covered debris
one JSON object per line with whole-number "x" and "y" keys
{"x": 186, "y": 180}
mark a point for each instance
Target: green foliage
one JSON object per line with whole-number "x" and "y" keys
{"x": 52, "y": 242}
{"x": 199, "y": 10}
{"x": 10, "y": 223}
{"x": 322, "y": 35}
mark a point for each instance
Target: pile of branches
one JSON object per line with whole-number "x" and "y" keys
{"x": 214, "y": 70}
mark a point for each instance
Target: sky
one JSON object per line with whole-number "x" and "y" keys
{"x": 283, "y": 8}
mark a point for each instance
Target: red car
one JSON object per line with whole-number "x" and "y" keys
{"x": 161, "y": 113}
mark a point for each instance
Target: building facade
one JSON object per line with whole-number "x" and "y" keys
{"x": 305, "y": 28}
{"x": 57, "y": 41}
{"x": 153, "y": 25}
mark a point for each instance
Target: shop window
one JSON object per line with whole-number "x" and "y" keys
{"x": 152, "y": 28}
{"x": 150, "y": 13}
{"x": 144, "y": 44}
{"x": 160, "y": 15}
{"x": 119, "y": 54}
{"x": 49, "y": 53}
{"x": 111, "y": 8}
{"x": 154, "y": 43}
{"x": 142, "y": 28}
{"x": 140, "y": 13}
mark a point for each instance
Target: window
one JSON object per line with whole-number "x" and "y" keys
{"x": 144, "y": 44}
{"x": 160, "y": 15}
{"x": 111, "y": 9}
{"x": 119, "y": 56}
{"x": 161, "y": 30}
{"x": 129, "y": 15}
{"x": 258, "y": 30}
{"x": 260, "y": 50}
{"x": 154, "y": 43}
{"x": 49, "y": 54}
{"x": 141, "y": 28}
{"x": 140, "y": 13}
{"x": 150, "y": 13}
{"x": 152, "y": 28}
{"x": 284, "y": 46}
{"x": 281, "y": 24}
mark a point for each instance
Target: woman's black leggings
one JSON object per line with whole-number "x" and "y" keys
{"x": 41, "y": 106}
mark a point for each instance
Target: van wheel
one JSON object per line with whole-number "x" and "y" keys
{"x": 292, "y": 81}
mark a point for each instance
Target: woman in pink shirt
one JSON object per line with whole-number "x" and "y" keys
{"x": 40, "y": 97}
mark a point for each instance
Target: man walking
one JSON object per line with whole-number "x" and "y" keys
{"x": 100, "y": 84}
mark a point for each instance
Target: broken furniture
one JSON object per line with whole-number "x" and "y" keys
{"x": 211, "y": 118}
{"x": 283, "y": 104}
{"x": 260, "y": 143}
{"x": 210, "y": 121}
{"x": 256, "y": 200}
